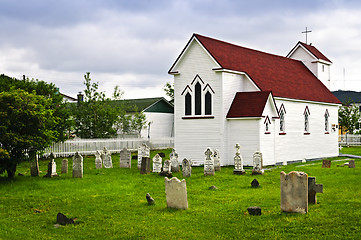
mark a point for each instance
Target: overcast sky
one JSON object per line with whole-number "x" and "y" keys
{"x": 133, "y": 43}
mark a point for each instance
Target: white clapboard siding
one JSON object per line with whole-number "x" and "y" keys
{"x": 161, "y": 125}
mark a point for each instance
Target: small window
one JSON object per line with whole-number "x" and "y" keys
{"x": 267, "y": 122}
{"x": 198, "y": 99}
{"x": 323, "y": 68}
{"x": 282, "y": 121}
{"x": 208, "y": 103}
{"x": 327, "y": 125}
{"x": 188, "y": 104}
{"x": 306, "y": 114}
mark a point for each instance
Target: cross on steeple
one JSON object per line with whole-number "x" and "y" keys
{"x": 307, "y": 31}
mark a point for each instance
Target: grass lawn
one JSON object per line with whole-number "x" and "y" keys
{"x": 111, "y": 204}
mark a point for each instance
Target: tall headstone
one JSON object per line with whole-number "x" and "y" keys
{"x": 34, "y": 164}
{"x": 157, "y": 163}
{"x": 125, "y": 158}
{"x": 326, "y": 163}
{"x": 145, "y": 165}
{"x": 64, "y": 166}
{"x": 143, "y": 151}
{"x": 313, "y": 188}
{"x": 174, "y": 161}
{"x": 77, "y": 166}
{"x": 98, "y": 160}
{"x": 294, "y": 192}
{"x": 176, "y": 193}
{"x": 238, "y": 162}
{"x": 351, "y": 164}
{"x": 107, "y": 158}
{"x": 217, "y": 161}
{"x": 186, "y": 167}
{"x": 257, "y": 164}
{"x": 208, "y": 162}
{"x": 51, "y": 167}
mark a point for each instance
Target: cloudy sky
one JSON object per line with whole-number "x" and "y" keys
{"x": 133, "y": 43}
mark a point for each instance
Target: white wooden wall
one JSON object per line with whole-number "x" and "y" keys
{"x": 162, "y": 125}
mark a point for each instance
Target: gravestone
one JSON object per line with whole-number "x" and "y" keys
{"x": 145, "y": 165}
{"x": 255, "y": 211}
{"x": 150, "y": 200}
{"x": 63, "y": 220}
{"x": 64, "y": 166}
{"x": 106, "y": 157}
{"x": 351, "y": 164}
{"x": 143, "y": 151}
{"x": 174, "y": 161}
{"x": 176, "y": 193}
{"x": 186, "y": 167}
{"x": 77, "y": 166}
{"x": 51, "y": 167}
{"x": 257, "y": 164}
{"x": 98, "y": 160}
{"x": 157, "y": 163}
{"x": 238, "y": 162}
{"x": 125, "y": 158}
{"x": 255, "y": 183}
{"x": 326, "y": 163}
{"x": 294, "y": 192}
{"x": 313, "y": 188}
{"x": 166, "y": 171}
{"x": 208, "y": 162}
{"x": 34, "y": 164}
{"x": 217, "y": 161}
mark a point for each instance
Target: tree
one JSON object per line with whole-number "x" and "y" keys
{"x": 349, "y": 117}
{"x": 27, "y": 125}
{"x": 138, "y": 121}
{"x": 169, "y": 90}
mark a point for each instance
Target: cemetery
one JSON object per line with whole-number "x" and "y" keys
{"x": 107, "y": 196}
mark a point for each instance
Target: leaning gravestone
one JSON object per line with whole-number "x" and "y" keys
{"x": 313, "y": 188}
{"x": 143, "y": 151}
{"x": 98, "y": 160}
{"x": 125, "y": 158}
{"x": 34, "y": 164}
{"x": 294, "y": 192}
{"x": 157, "y": 163}
{"x": 77, "y": 166}
{"x": 186, "y": 167}
{"x": 64, "y": 166}
{"x": 326, "y": 163}
{"x": 145, "y": 165}
{"x": 107, "y": 158}
{"x": 51, "y": 167}
{"x": 238, "y": 162}
{"x": 174, "y": 161}
{"x": 351, "y": 164}
{"x": 216, "y": 159}
{"x": 176, "y": 193}
{"x": 208, "y": 162}
{"x": 257, "y": 164}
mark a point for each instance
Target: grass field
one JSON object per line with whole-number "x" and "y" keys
{"x": 111, "y": 204}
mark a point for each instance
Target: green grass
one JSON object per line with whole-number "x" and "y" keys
{"x": 111, "y": 204}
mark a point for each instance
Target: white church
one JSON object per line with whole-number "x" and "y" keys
{"x": 226, "y": 94}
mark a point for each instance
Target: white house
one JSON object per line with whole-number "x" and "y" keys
{"x": 227, "y": 94}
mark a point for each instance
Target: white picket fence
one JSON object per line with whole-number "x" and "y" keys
{"x": 349, "y": 140}
{"x": 114, "y": 145}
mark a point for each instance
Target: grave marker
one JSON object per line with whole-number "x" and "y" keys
{"x": 174, "y": 161}
{"x": 106, "y": 157}
{"x": 326, "y": 163}
{"x": 98, "y": 160}
{"x": 157, "y": 163}
{"x": 143, "y": 151}
{"x": 217, "y": 161}
{"x": 351, "y": 164}
{"x": 34, "y": 164}
{"x": 77, "y": 166}
{"x": 186, "y": 167}
{"x": 238, "y": 162}
{"x": 145, "y": 165}
{"x": 64, "y": 166}
{"x": 51, "y": 167}
{"x": 208, "y": 162}
{"x": 257, "y": 164}
{"x": 125, "y": 158}
{"x": 176, "y": 193}
{"x": 313, "y": 188}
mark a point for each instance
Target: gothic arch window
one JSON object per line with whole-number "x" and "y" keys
{"x": 306, "y": 114}
{"x": 267, "y": 122}
{"x": 198, "y": 99}
{"x": 282, "y": 114}
{"x": 208, "y": 103}
{"x": 327, "y": 125}
{"x": 188, "y": 104}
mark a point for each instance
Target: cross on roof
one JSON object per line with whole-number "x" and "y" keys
{"x": 306, "y": 32}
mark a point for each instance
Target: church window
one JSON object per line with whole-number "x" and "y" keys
{"x": 307, "y": 120}
{"x": 323, "y": 68}
{"x": 327, "y": 125}
{"x": 208, "y": 103}
{"x": 198, "y": 99}
{"x": 267, "y": 122}
{"x": 282, "y": 121}
{"x": 188, "y": 104}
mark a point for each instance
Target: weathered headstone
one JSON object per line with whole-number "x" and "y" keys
{"x": 51, "y": 167}
{"x": 255, "y": 183}
{"x": 143, "y": 151}
{"x": 150, "y": 200}
{"x": 125, "y": 158}
{"x": 186, "y": 167}
{"x": 174, "y": 161}
{"x": 313, "y": 188}
{"x": 254, "y": 211}
{"x": 166, "y": 171}
{"x": 64, "y": 166}
{"x": 238, "y": 162}
{"x": 176, "y": 193}
{"x": 294, "y": 192}
{"x": 63, "y": 220}
{"x": 257, "y": 164}
{"x": 351, "y": 164}
{"x": 77, "y": 166}
{"x": 34, "y": 164}
{"x": 157, "y": 163}
{"x": 106, "y": 157}
{"x": 98, "y": 160}
{"x": 326, "y": 163}
{"x": 217, "y": 161}
{"x": 145, "y": 165}
{"x": 208, "y": 162}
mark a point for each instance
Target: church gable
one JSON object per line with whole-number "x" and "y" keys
{"x": 309, "y": 49}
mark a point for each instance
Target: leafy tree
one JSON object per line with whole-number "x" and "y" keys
{"x": 138, "y": 121}
{"x": 169, "y": 90}
{"x": 27, "y": 125}
{"x": 349, "y": 117}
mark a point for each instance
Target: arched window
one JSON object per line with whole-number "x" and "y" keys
{"x": 327, "y": 128}
{"x": 306, "y": 114}
{"x": 282, "y": 121}
{"x": 198, "y": 99}
{"x": 208, "y": 103}
{"x": 188, "y": 104}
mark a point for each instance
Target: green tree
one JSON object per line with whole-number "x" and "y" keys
{"x": 349, "y": 117}
{"x": 27, "y": 125}
{"x": 138, "y": 122}
{"x": 169, "y": 90}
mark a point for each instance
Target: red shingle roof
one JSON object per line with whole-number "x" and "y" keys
{"x": 248, "y": 104}
{"x": 285, "y": 77}
{"x": 315, "y": 52}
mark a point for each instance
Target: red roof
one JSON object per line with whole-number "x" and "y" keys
{"x": 248, "y": 104}
{"x": 285, "y": 77}
{"x": 315, "y": 52}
